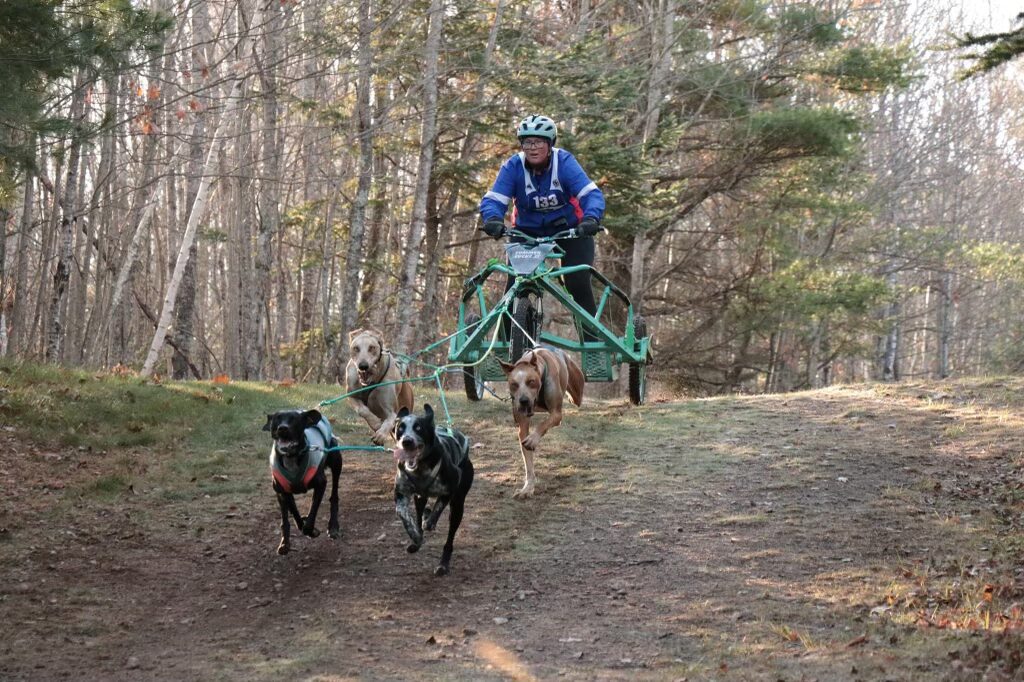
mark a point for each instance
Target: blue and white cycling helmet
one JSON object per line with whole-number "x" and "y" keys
{"x": 537, "y": 126}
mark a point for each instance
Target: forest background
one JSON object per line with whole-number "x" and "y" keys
{"x": 799, "y": 193}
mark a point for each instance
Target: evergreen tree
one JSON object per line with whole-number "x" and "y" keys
{"x": 999, "y": 48}
{"x": 41, "y": 43}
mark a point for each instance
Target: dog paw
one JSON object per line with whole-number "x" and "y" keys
{"x": 333, "y": 533}
{"x": 531, "y": 442}
{"x": 412, "y": 548}
{"x": 430, "y": 525}
{"x": 524, "y": 493}
{"x": 283, "y": 548}
{"x": 442, "y": 569}
{"x": 310, "y": 531}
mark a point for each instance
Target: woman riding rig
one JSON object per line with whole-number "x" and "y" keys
{"x": 550, "y": 193}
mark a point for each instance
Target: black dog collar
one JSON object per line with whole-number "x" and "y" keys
{"x": 382, "y": 374}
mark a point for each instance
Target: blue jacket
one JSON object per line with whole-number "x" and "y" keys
{"x": 563, "y": 190}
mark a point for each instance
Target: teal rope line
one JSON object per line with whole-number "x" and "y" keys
{"x": 413, "y": 359}
{"x": 497, "y": 311}
{"x": 432, "y": 346}
{"x": 375, "y": 448}
{"x": 331, "y": 401}
{"x": 440, "y": 394}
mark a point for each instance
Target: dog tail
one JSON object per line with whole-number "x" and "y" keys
{"x": 576, "y": 381}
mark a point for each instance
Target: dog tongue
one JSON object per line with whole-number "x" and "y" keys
{"x": 403, "y": 455}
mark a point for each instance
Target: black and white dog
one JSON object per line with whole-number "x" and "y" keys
{"x": 432, "y": 462}
{"x": 301, "y": 452}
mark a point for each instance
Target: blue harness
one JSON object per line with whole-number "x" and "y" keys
{"x": 318, "y": 438}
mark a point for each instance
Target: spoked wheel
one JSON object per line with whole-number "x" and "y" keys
{"x": 638, "y": 370}
{"x": 471, "y": 380}
{"x": 525, "y": 325}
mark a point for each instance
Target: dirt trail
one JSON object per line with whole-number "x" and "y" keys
{"x": 747, "y": 538}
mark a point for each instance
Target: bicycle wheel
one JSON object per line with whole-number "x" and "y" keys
{"x": 638, "y": 370}
{"x": 470, "y": 375}
{"x": 525, "y": 326}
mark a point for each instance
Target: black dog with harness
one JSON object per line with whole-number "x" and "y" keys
{"x": 431, "y": 462}
{"x": 303, "y": 447}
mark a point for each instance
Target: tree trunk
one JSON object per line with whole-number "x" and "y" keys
{"x": 662, "y": 27}
{"x": 945, "y": 323}
{"x": 81, "y": 263}
{"x": 5, "y": 215}
{"x": 145, "y": 210}
{"x": 890, "y": 368}
{"x": 183, "y": 329}
{"x": 431, "y": 55}
{"x": 269, "y": 200}
{"x": 376, "y": 257}
{"x": 198, "y": 209}
{"x": 17, "y": 334}
{"x": 431, "y": 280}
{"x": 354, "y": 263}
{"x": 68, "y": 220}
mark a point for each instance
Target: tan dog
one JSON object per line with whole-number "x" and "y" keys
{"x": 538, "y": 381}
{"x": 370, "y": 363}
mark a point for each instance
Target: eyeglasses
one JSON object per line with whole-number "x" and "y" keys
{"x": 533, "y": 144}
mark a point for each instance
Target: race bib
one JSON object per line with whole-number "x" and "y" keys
{"x": 543, "y": 204}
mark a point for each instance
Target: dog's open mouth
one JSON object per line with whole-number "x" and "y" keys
{"x": 365, "y": 375}
{"x": 286, "y": 447}
{"x": 408, "y": 457}
{"x": 525, "y": 410}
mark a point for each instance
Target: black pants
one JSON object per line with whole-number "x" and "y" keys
{"x": 578, "y": 251}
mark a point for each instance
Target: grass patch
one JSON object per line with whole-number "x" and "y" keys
{"x": 215, "y": 488}
{"x": 58, "y": 406}
{"x": 955, "y": 431}
{"x": 107, "y": 486}
{"x": 742, "y": 520}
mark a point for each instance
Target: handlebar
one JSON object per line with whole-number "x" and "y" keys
{"x": 571, "y": 233}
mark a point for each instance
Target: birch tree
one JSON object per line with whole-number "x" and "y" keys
{"x": 197, "y": 210}
{"x": 411, "y": 259}
{"x": 354, "y": 256}
{"x": 68, "y": 221}
{"x": 269, "y": 219}
{"x": 662, "y": 21}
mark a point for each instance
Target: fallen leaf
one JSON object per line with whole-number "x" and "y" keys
{"x": 857, "y": 641}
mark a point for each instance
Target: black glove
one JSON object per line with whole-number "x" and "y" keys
{"x": 494, "y": 227}
{"x": 589, "y": 226}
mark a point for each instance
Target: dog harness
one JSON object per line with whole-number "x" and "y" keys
{"x": 310, "y": 460}
{"x": 422, "y": 484}
{"x": 544, "y": 373}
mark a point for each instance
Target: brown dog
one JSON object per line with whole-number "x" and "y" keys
{"x": 370, "y": 363}
{"x": 538, "y": 381}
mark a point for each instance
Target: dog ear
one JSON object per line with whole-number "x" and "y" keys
{"x": 270, "y": 422}
{"x": 353, "y": 334}
{"x": 403, "y": 413}
{"x": 506, "y": 367}
{"x": 535, "y": 360}
{"x": 311, "y": 418}
{"x": 428, "y": 411}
